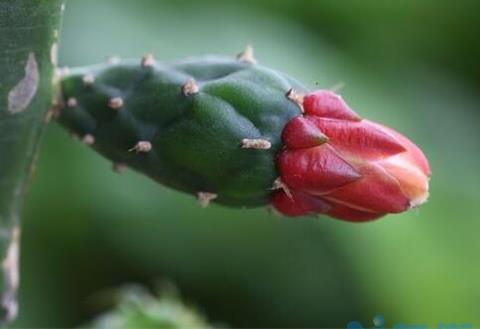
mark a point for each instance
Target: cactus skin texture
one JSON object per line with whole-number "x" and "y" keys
{"x": 214, "y": 124}
{"x": 243, "y": 135}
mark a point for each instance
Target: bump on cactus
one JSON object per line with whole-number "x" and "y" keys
{"x": 237, "y": 133}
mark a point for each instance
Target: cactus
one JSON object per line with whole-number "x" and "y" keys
{"x": 213, "y": 126}
{"x": 27, "y": 57}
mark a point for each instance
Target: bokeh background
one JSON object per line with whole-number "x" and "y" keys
{"x": 410, "y": 64}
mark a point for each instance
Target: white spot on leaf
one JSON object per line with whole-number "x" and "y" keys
{"x": 54, "y": 54}
{"x": 22, "y": 94}
{"x": 10, "y": 276}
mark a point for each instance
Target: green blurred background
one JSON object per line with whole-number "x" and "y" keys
{"x": 413, "y": 65}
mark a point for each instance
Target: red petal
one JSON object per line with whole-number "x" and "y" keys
{"x": 411, "y": 178}
{"x": 327, "y": 104}
{"x": 359, "y": 140}
{"x": 300, "y": 133}
{"x": 353, "y": 215}
{"x": 318, "y": 169}
{"x": 299, "y": 204}
{"x": 377, "y": 191}
{"x": 414, "y": 153}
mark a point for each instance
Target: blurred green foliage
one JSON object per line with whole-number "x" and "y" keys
{"x": 138, "y": 309}
{"x": 409, "y": 64}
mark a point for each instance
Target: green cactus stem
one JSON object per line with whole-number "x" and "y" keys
{"x": 208, "y": 126}
{"x": 28, "y": 46}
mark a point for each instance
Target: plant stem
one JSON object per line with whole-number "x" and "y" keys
{"x": 28, "y": 44}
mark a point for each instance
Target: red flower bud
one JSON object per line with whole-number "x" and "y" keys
{"x": 337, "y": 164}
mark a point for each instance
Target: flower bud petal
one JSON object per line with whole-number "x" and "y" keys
{"x": 300, "y": 133}
{"x": 412, "y": 180}
{"x": 377, "y": 191}
{"x": 358, "y": 140}
{"x": 318, "y": 169}
{"x": 299, "y": 204}
{"x": 327, "y": 104}
{"x": 414, "y": 154}
{"x": 346, "y": 213}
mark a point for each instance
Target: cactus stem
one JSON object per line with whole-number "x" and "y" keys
{"x": 112, "y": 60}
{"x": 148, "y": 60}
{"x": 119, "y": 167}
{"x": 204, "y": 198}
{"x": 279, "y": 184}
{"x": 247, "y": 56}
{"x": 88, "y": 79}
{"x": 88, "y": 139}
{"x": 115, "y": 103}
{"x": 296, "y": 98}
{"x": 142, "y": 146}
{"x": 72, "y": 102}
{"x": 259, "y": 144}
{"x": 190, "y": 87}
{"x": 176, "y": 117}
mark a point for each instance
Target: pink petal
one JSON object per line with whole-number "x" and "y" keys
{"x": 411, "y": 178}
{"x": 327, "y": 104}
{"x": 377, "y": 191}
{"x": 359, "y": 140}
{"x": 300, "y": 133}
{"x": 299, "y": 204}
{"x": 352, "y": 215}
{"x": 414, "y": 152}
{"x": 318, "y": 169}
